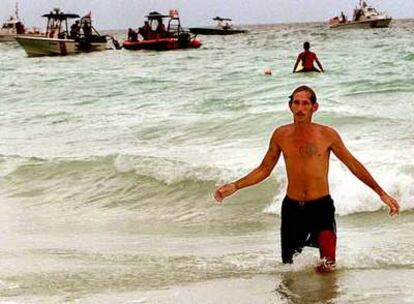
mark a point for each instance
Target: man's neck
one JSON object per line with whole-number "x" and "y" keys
{"x": 303, "y": 126}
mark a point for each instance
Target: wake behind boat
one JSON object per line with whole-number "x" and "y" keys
{"x": 59, "y": 41}
{"x": 223, "y": 27}
{"x": 364, "y": 16}
{"x": 155, "y": 36}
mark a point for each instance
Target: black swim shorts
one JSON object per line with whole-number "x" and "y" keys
{"x": 302, "y": 222}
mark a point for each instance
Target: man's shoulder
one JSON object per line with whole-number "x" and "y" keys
{"x": 321, "y": 126}
{"x": 281, "y": 131}
{"x": 326, "y": 130}
{"x": 284, "y": 128}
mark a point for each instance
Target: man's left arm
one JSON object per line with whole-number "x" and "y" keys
{"x": 318, "y": 63}
{"x": 339, "y": 149}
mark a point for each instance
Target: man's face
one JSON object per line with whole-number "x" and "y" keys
{"x": 302, "y": 107}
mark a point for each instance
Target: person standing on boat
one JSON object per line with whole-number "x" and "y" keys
{"x": 343, "y": 17}
{"x": 75, "y": 30}
{"x": 145, "y": 31}
{"x": 161, "y": 31}
{"x": 307, "y": 57}
{"x": 20, "y": 28}
{"x": 86, "y": 22}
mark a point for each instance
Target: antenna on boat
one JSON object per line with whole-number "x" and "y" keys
{"x": 17, "y": 11}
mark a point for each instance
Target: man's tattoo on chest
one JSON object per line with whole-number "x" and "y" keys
{"x": 308, "y": 149}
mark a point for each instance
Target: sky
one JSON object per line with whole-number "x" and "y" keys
{"x": 121, "y": 14}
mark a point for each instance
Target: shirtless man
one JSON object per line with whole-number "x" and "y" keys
{"x": 307, "y": 57}
{"x": 307, "y": 210}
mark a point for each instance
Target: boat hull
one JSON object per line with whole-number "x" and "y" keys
{"x": 7, "y": 37}
{"x": 162, "y": 44}
{"x": 41, "y": 46}
{"x": 377, "y": 23}
{"x": 215, "y": 31}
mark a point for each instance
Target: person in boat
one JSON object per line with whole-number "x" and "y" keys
{"x": 226, "y": 26}
{"x": 20, "y": 28}
{"x": 308, "y": 212}
{"x": 161, "y": 31}
{"x": 145, "y": 31}
{"x": 75, "y": 30}
{"x": 132, "y": 35}
{"x": 87, "y": 28}
{"x": 357, "y": 14}
{"x": 343, "y": 17}
{"x": 54, "y": 31}
{"x": 307, "y": 57}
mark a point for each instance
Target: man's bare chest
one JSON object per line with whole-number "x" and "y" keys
{"x": 304, "y": 148}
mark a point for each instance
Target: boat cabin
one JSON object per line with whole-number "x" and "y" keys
{"x": 13, "y": 25}
{"x": 158, "y": 26}
{"x": 364, "y": 12}
{"x": 223, "y": 23}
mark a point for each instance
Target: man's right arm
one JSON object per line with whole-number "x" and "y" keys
{"x": 257, "y": 175}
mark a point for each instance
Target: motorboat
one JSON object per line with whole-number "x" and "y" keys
{"x": 223, "y": 27}
{"x": 156, "y": 36}
{"x": 364, "y": 16}
{"x": 58, "y": 40}
{"x": 12, "y": 27}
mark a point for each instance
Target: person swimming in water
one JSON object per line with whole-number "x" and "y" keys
{"x": 307, "y": 57}
{"x": 308, "y": 212}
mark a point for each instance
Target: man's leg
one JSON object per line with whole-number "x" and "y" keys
{"x": 327, "y": 250}
{"x": 291, "y": 236}
{"x": 290, "y": 247}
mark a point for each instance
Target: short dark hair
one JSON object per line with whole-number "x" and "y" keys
{"x": 306, "y": 89}
{"x": 306, "y": 45}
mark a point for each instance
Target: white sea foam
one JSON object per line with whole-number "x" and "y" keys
{"x": 352, "y": 196}
{"x": 164, "y": 170}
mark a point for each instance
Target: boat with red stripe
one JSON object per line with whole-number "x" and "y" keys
{"x": 155, "y": 35}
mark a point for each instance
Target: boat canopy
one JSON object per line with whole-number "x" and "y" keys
{"x": 217, "y": 18}
{"x": 60, "y": 16}
{"x": 156, "y": 15}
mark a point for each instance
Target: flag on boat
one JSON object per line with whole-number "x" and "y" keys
{"x": 173, "y": 13}
{"x": 88, "y": 15}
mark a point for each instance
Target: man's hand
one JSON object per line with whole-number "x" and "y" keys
{"x": 391, "y": 203}
{"x": 223, "y": 191}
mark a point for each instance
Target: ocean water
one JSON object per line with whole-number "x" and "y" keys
{"x": 108, "y": 162}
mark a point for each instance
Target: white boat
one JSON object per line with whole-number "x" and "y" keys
{"x": 364, "y": 16}
{"x": 11, "y": 28}
{"x": 59, "y": 41}
{"x": 223, "y": 27}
